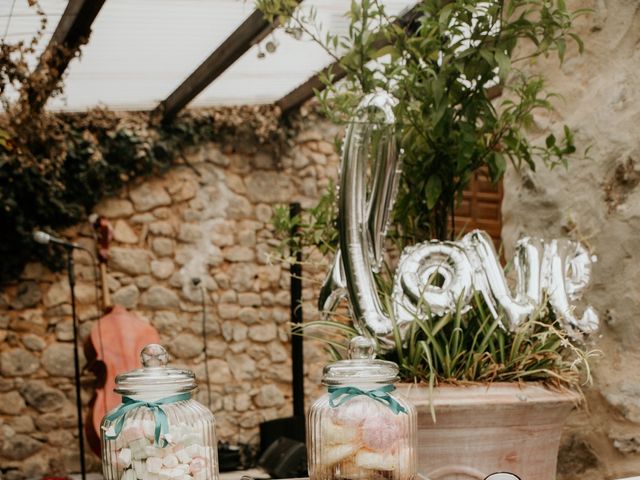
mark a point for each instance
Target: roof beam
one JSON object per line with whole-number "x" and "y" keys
{"x": 73, "y": 31}
{"x": 296, "y": 97}
{"x": 304, "y": 92}
{"x": 252, "y": 31}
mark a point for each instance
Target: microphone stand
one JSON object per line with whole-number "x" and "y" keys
{"x": 76, "y": 359}
{"x": 297, "y": 353}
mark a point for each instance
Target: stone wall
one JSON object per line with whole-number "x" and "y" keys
{"x": 207, "y": 218}
{"x": 597, "y": 201}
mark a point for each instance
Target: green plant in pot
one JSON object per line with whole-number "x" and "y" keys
{"x": 444, "y": 61}
{"x": 493, "y": 384}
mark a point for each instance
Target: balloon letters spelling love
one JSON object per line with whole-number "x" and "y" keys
{"x": 557, "y": 271}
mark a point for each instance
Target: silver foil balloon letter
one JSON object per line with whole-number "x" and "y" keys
{"x": 489, "y": 278}
{"x": 566, "y": 269}
{"x": 362, "y": 219}
{"x": 434, "y": 277}
{"x": 431, "y": 277}
{"x": 559, "y": 269}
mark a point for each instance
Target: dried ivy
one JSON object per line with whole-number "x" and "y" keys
{"x": 55, "y": 167}
{"x": 54, "y": 179}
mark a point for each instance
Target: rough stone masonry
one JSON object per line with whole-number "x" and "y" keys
{"x": 208, "y": 218}
{"x": 597, "y": 201}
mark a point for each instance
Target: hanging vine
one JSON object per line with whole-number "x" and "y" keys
{"x": 54, "y": 167}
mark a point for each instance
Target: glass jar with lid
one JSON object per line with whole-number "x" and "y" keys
{"x": 158, "y": 432}
{"x": 361, "y": 429}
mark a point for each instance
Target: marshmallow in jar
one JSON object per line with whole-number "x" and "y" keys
{"x": 361, "y": 429}
{"x": 158, "y": 432}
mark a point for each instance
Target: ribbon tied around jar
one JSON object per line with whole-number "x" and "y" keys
{"x": 129, "y": 404}
{"x": 340, "y": 395}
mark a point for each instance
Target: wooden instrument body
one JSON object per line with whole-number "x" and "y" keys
{"x": 123, "y": 336}
{"x": 113, "y": 347}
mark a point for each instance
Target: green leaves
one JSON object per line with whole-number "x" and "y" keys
{"x": 471, "y": 346}
{"x": 497, "y": 165}
{"x": 440, "y": 65}
{"x": 550, "y": 141}
{"x": 504, "y": 64}
{"x": 391, "y": 50}
{"x": 445, "y": 16}
{"x": 433, "y": 191}
{"x": 316, "y": 226}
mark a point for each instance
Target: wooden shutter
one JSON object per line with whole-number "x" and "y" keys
{"x": 481, "y": 207}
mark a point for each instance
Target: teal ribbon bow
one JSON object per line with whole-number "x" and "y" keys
{"x": 162, "y": 424}
{"x": 340, "y": 395}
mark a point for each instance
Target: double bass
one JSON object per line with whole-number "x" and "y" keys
{"x": 113, "y": 346}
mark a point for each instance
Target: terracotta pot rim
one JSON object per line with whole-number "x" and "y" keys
{"x": 501, "y": 392}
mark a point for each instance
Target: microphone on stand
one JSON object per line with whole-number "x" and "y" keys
{"x": 44, "y": 238}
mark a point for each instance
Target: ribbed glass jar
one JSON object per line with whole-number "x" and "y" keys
{"x": 159, "y": 432}
{"x": 361, "y": 428}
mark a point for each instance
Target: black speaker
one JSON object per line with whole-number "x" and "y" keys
{"x": 285, "y": 458}
{"x": 228, "y": 457}
{"x": 272, "y": 430}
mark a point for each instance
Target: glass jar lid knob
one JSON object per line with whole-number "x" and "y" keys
{"x": 363, "y": 348}
{"x": 361, "y": 367}
{"x": 154, "y": 355}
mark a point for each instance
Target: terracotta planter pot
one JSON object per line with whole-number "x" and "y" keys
{"x": 482, "y": 429}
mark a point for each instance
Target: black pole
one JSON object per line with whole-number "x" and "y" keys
{"x": 76, "y": 359}
{"x": 297, "y": 357}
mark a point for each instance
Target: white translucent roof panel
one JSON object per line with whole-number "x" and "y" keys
{"x": 19, "y": 22}
{"x": 265, "y": 80}
{"x": 141, "y": 50}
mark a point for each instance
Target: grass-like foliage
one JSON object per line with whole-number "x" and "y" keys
{"x": 472, "y": 346}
